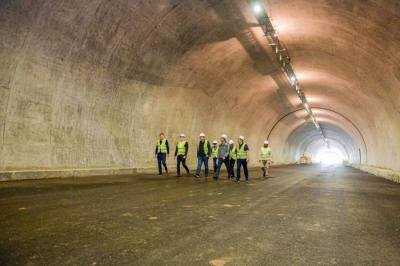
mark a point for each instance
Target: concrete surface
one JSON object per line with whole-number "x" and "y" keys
{"x": 65, "y": 173}
{"x": 391, "y": 175}
{"x": 90, "y": 84}
{"x": 302, "y": 215}
{"x": 45, "y": 174}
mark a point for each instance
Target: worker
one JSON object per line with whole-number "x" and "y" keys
{"x": 243, "y": 155}
{"x": 214, "y": 154}
{"x": 232, "y": 157}
{"x": 181, "y": 151}
{"x": 203, "y": 153}
{"x": 223, "y": 157}
{"x": 266, "y": 158}
{"x": 162, "y": 152}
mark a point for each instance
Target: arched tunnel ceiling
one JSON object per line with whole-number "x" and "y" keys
{"x": 92, "y": 83}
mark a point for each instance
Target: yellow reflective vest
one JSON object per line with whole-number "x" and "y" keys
{"x": 205, "y": 146}
{"x": 233, "y": 154}
{"x": 214, "y": 152}
{"x": 242, "y": 154}
{"x": 162, "y": 147}
{"x": 181, "y": 148}
{"x": 265, "y": 153}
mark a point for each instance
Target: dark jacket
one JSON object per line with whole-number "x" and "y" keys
{"x": 200, "y": 150}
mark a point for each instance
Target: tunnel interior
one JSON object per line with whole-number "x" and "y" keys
{"x": 91, "y": 84}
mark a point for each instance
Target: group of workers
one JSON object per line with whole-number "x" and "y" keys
{"x": 224, "y": 153}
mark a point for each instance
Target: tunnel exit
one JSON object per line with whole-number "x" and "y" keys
{"x": 329, "y": 156}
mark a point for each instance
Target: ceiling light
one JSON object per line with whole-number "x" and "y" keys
{"x": 257, "y": 8}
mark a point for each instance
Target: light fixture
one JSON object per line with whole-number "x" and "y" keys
{"x": 257, "y": 8}
{"x": 265, "y": 22}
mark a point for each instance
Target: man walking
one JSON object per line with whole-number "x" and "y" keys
{"x": 232, "y": 157}
{"x": 243, "y": 155}
{"x": 214, "y": 154}
{"x": 181, "y": 151}
{"x": 162, "y": 152}
{"x": 266, "y": 158}
{"x": 203, "y": 153}
{"x": 223, "y": 157}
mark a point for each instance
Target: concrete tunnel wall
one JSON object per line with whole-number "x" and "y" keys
{"x": 87, "y": 84}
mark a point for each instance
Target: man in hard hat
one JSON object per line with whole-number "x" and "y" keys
{"x": 243, "y": 155}
{"x": 162, "y": 152}
{"x": 223, "y": 157}
{"x": 214, "y": 154}
{"x": 181, "y": 151}
{"x": 265, "y": 158}
{"x": 232, "y": 157}
{"x": 203, "y": 153}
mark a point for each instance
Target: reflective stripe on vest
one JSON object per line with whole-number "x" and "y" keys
{"x": 265, "y": 153}
{"x": 162, "y": 147}
{"x": 232, "y": 153}
{"x": 181, "y": 148}
{"x": 205, "y": 146}
{"x": 214, "y": 151}
{"x": 242, "y": 154}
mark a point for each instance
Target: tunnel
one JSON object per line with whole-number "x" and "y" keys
{"x": 92, "y": 84}
{"x": 87, "y": 86}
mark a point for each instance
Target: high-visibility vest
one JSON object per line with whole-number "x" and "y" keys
{"x": 205, "y": 146}
{"x": 162, "y": 147}
{"x": 265, "y": 153}
{"x": 232, "y": 153}
{"x": 181, "y": 146}
{"x": 214, "y": 152}
{"x": 242, "y": 154}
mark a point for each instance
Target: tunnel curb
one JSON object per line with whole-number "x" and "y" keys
{"x": 385, "y": 173}
{"x": 15, "y": 175}
{"x": 44, "y": 174}
{"x": 65, "y": 173}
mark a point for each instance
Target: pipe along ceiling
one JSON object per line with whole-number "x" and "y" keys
{"x": 87, "y": 84}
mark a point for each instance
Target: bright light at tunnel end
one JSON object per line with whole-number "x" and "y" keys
{"x": 328, "y": 157}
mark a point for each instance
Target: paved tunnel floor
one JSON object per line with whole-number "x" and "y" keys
{"x": 303, "y": 215}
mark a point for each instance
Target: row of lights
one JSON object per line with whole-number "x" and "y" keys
{"x": 272, "y": 36}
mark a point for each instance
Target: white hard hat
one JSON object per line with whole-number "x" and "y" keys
{"x": 231, "y": 142}
{"x": 202, "y": 135}
{"x": 215, "y": 142}
{"x": 224, "y": 136}
{"x": 266, "y": 142}
{"x": 241, "y": 137}
{"x": 182, "y": 135}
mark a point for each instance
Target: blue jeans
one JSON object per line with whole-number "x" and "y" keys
{"x": 161, "y": 157}
{"x": 200, "y": 161}
{"x": 227, "y": 164}
{"x": 241, "y": 162}
{"x": 215, "y": 164}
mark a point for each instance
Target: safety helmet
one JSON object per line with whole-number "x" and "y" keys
{"x": 215, "y": 142}
{"x": 182, "y": 135}
{"x": 224, "y": 136}
{"x": 266, "y": 142}
{"x": 202, "y": 135}
{"x": 241, "y": 137}
{"x": 231, "y": 142}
